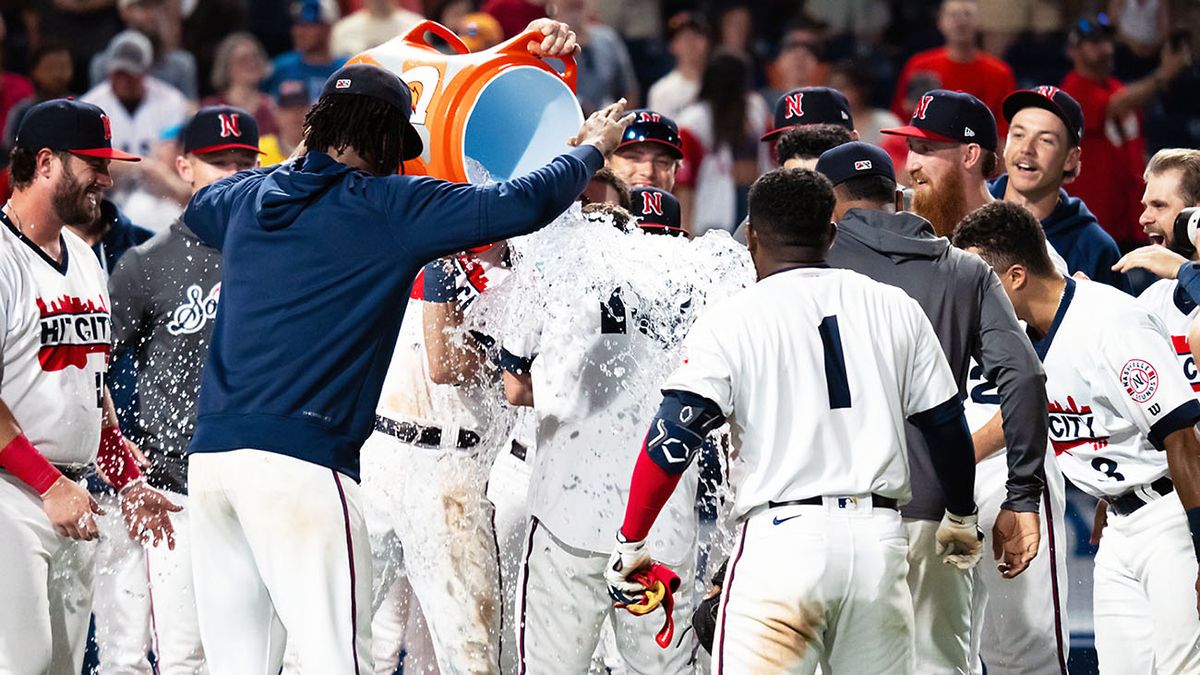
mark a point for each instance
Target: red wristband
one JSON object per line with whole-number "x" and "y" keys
{"x": 24, "y": 461}
{"x": 114, "y": 459}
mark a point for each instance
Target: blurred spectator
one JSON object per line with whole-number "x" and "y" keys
{"x": 514, "y": 15}
{"x": 605, "y": 69}
{"x": 241, "y": 66}
{"x": 176, "y": 67}
{"x": 1004, "y": 20}
{"x": 312, "y": 61}
{"x": 722, "y": 153}
{"x": 206, "y": 23}
{"x": 798, "y": 63}
{"x": 864, "y": 19}
{"x": 292, "y": 105}
{"x": 1112, "y": 135}
{"x": 853, "y": 78}
{"x": 451, "y": 13}
{"x": 960, "y": 65}
{"x": 688, "y": 42}
{"x": 13, "y": 88}
{"x": 479, "y": 31}
{"x": 1141, "y": 25}
{"x": 376, "y": 23}
{"x": 140, "y": 107}
{"x": 633, "y": 19}
{"x": 50, "y": 70}
{"x": 84, "y": 26}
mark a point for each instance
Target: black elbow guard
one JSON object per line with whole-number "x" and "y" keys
{"x": 679, "y": 428}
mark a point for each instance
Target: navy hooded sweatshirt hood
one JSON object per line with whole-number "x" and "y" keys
{"x": 1077, "y": 236}
{"x": 318, "y": 260}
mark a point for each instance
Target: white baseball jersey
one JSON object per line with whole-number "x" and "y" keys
{"x": 1115, "y": 390}
{"x": 56, "y": 338}
{"x": 1169, "y": 303}
{"x": 817, "y": 370}
{"x": 596, "y": 376}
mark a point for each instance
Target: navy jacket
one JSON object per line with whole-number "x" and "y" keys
{"x": 318, "y": 262}
{"x": 1077, "y": 236}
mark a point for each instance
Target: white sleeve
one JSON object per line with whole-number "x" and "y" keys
{"x": 1140, "y": 370}
{"x": 929, "y": 380}
{"x": 706, "y": 369}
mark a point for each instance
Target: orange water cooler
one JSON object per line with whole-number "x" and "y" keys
{"x": 502, "y": 109}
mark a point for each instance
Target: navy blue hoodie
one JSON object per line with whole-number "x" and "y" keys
{"x": 318, "y": 262}
{"x": 1077, "y": 236}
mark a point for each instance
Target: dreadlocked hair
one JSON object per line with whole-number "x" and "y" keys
{"x": 373, "y": 128}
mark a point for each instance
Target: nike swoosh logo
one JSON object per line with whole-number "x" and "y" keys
{"x": 780, "y": 521}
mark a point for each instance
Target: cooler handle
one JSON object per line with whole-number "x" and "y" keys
{"x": 519, "y": 44}
{"x": 416, "y": 36}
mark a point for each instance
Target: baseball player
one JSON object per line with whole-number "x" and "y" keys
{"x": 56, "y": 416}
{"x": 583, "y": 368}
{"x": 319, "y": 255}
{"x": 1121, "y": 417}
{"x": 809, "y": 107}
{"x": 165, "y": 295}
{"x": 818, "y": 573}
{"x": 972, "y": 317}
{"x": 650, "y": 152}
{"x": 1169, "y": 219}
{"x": 656, "y": 211}
{"x": 440, "y": 420}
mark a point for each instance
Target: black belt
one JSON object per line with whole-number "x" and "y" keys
{"x": 75, "y": 472}
{"x": 415, "y": 434}
{"x": 876, "y": 500}
{"x": 1132, "y": 501}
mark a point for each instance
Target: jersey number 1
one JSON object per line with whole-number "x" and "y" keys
{"x": 835, "y": 364}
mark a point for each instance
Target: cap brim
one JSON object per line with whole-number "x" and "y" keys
{"x": 1019, "y": 100}
{"x": 916, "y": 132}
{"x": 227, "y": 146}
{"x": 668, "y": 229}
{"x": 413, "y": 145}
{"x": 107, "y": 153}
{"x": 674, "y": 150}
{"x": 773, "y": 134}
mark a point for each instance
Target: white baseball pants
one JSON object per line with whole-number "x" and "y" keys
{"x": 435, "y": 505}
{"x": 279, "y": 553}
{"x": 817, "y": 586}
{"x": 563, "y": 600}
{"x": 508, "y": 490}
{"x": 45, "y": 587}
{"x": 941, "y": 596}
{"x": 1019, "y": 625}
{"x": 122, "y": 597}
{"x": 174, "y": 627}
{"x": 1144, "y": 592}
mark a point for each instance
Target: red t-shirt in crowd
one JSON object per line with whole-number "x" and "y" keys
{"x": 1112, "y": 155}
{"x": 985, "y": 77}
{"x": 13, "y": 90}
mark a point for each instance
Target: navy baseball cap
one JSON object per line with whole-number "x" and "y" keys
{"x": 362, "y": 79}
{"x": 1049, "y": 98}
{"x": 220, "y": 127}
{"x": 854, "y": 159}
{"x": 810, "y": 105}
{"x": 950, "y": 117}
{"x": 63, "y": 124}
{"x": 657, "y": 211}
{"x": 651, "y": 127}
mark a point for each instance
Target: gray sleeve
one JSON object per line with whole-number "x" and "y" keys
{"x": 1009, "y": 360}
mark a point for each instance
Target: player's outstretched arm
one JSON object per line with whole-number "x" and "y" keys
{"x": 453, "y": 355}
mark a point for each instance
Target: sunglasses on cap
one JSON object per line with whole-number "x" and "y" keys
{"x": 1093, "y": 29}
{"x": 652, "y": 133}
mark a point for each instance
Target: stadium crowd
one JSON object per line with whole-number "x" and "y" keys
{"x": 1077, "y": 115}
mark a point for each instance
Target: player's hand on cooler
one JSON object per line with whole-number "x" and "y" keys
{"x": 1158, "y": 260}
{"x": 558, "y": 40}
{"x": 70, "y": 509}
{"x": 627, "y": 557}
{"x": 147, "y": 514}
{"x": 604, "y": 128}
{"x": 959, "y": 540}
{"x": 1099, "y": 521}
{"x": 1015, "y": 539}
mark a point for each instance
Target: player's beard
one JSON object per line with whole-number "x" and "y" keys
{"x": 943, "y": 204}
{"x": 75, "y": 202}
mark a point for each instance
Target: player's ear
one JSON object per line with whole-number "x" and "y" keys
{"x": 184, "y": 168}
{"x": 1072, "y": 165}
{"x": 1016, "y": 277}
{"x": 831, "y": 235}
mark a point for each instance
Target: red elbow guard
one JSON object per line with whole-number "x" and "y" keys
{"x": 23, "y": 460}
{"x": 114, "y": 459}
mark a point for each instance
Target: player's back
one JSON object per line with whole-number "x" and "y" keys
{"x": 825, "y": 365}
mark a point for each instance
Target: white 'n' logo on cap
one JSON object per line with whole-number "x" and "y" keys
{"x": 229, "y": 125}
{"x": 341, "y": 84}
{"x": 922, "y": 107}
{"x": 652, "y": 203}
{"x": 795, "y": 105}
{"x": 862, "y": 165}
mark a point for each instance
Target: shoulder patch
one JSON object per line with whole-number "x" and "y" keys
{"x": 1140, "y": 380}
